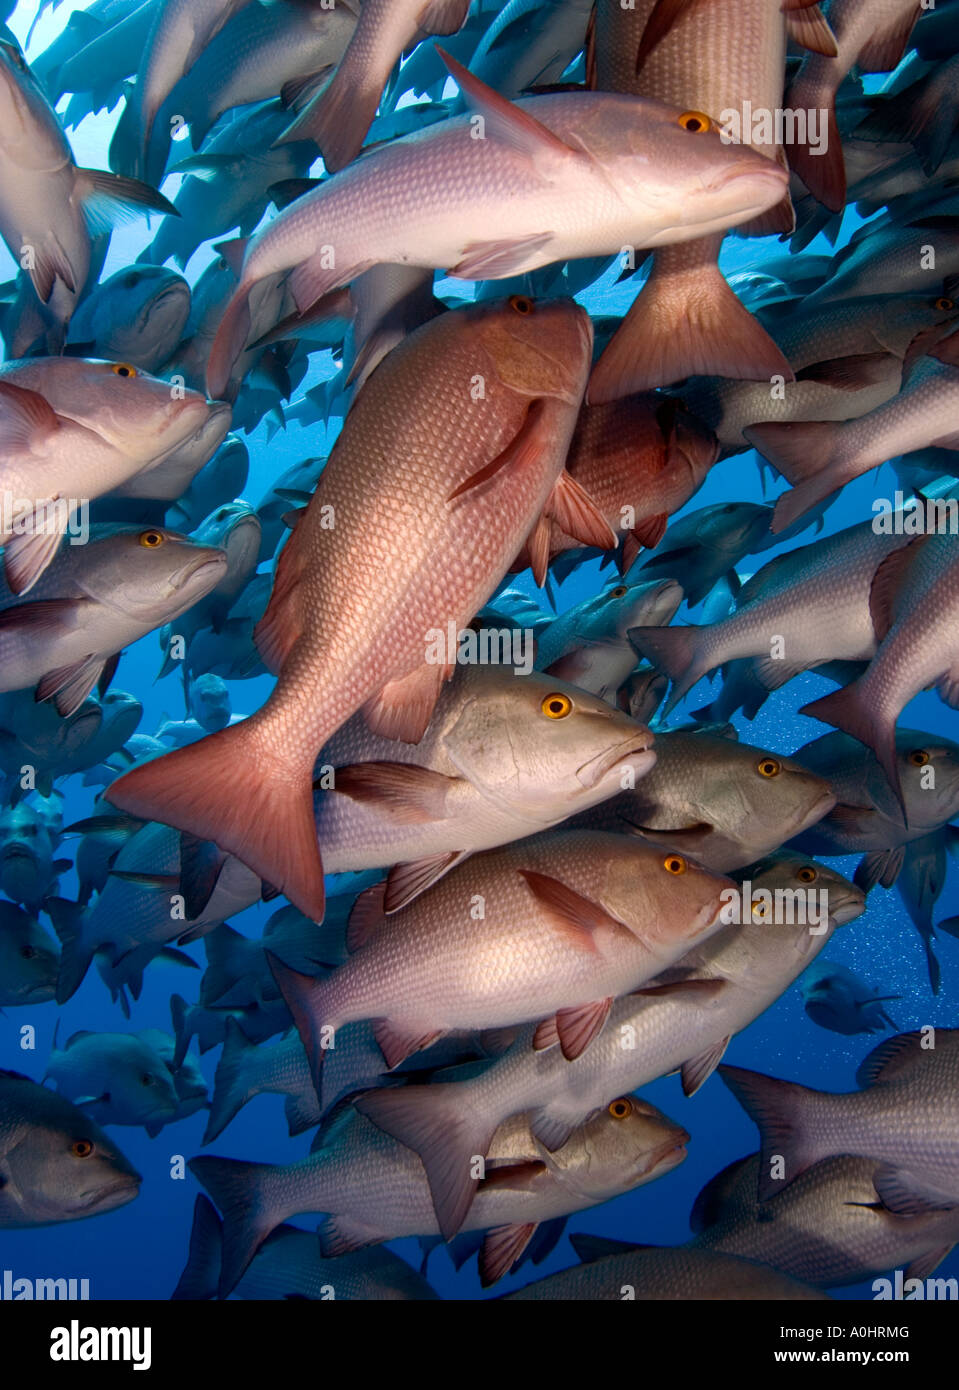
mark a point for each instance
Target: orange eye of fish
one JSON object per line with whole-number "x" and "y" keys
{"x": 674, "y": 864}
{"x": 807, "y": 874}
{"x": 151, "y": 539}
{"x": 619, "y": 1109}
{"x": 556, "y": 706}
{"x": 696, "y": 122}
{"x": 123, "y": 369}
{"x": 919, "y": 757}
{"x": 81, "y": 1148}
{"x": 521, "y": 303}
{"x": 945, "y": 304}
{"x": 767, "y": 767}
{"x": 619, "y": 592}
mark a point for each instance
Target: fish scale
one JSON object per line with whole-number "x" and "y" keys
{"x": 436, "y": 964}
{"x": 353, "y": 604}
{"x": 826, "y": 1227}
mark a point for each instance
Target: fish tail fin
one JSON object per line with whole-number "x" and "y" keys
{"x": 804, "y": 453}
{"x": 850, "y": 710}
{"x": 232, "y": 1084}
{"x": 75, "y": 956}
{"x": 231, "y": 338}
{"x": 684, "y": 322}
{"x": 338, "y": 118}
{"x": 302, "y": 1112}
{"x": 451, "y": 1138}
{"x": 674, "y": 651}
{"x": 821, "y": 166}
{"x": 201, "y": 1273}
{"x": 248, "y": 1201}
{"x": 778, "y": 1109}
{"x": 247, "y": 793}
{"x": 305, "y": 997}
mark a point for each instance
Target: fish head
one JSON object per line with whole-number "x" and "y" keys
{"x": 29, "y": 960}
{"x": 644, "y": 692}
{"x": 210, "y": 702}
{"x": 535, "y": 347}
{"x": 62, "y": 1165}
{"x": 795, "y": 904}
{"x": 26, "y": 853}
{"x": 724, "y": 802}
{"x": 150, "y": 573}
{"x": 669, "y": 901}
{"x": 929, "y": 776}
{"x": 622, "y": 1146}
{"x": 677, "y": 164}
{"x": 140, "y": 1085}
{"x": 139, "y": 415}
{"x": 235, "y": 528}
{"x": 732, "y": 528}
{"x": 121, "y": 714}
{"x": 540, "y": 747}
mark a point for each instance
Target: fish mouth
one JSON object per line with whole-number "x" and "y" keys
{"x": 637, "y": 750}
{"x": 670, "y": 1153}
{"x": 189, "y": 571}
{"x": 775, "y": 177}
{"x": 113, "y": 1190}
{"x": 848, "y": 910}
{"x": 820, "y": 807}
{"x": 19, "y": 854}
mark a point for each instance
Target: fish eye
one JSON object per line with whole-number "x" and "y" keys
{"x": 620, "y": 591}
{"x": 123, "y": 369}
{"x": 807, "y": 874}
{"x": 620, "y": 1108}
{"x": 151, "y": 539}
{"x": 521, "y": 303}
{"x": 944, "y": 303}
{"x": 767, "y": 767}
{"x": 674, "y": 864}
{"x": 696, "y": 122}
{"x": 919, "y": 757}
{"x": 146, "y": 1079}
{"x": 759, "y": 911}
{"x": 28, "y": 952}
{"x": 131, "y": 279}
{"x": 81, "y": 1148}
{"x": 556, "y": 706}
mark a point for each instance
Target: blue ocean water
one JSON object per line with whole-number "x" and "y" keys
{"x": 138, "y": 1251}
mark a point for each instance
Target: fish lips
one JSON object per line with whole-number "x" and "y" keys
{"x": 636, "y": 752}
{"x": 190, "y": 572}
{"x": 853, "y": 906}
{"x": 669, "y": 1155}
{"x": 115, "y": 1194}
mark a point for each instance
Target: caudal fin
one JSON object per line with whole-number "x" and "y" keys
{"x": 849, "y": 709}
{"x": 438, "y": 1123}
{"x": 777, "y": 1107}
{"x": 236, "y": 788}
{"x": 820, "y": 165}
{"x": 244, "y": 1194}
{"x": 338, "y": 118}
{"x": 304, "y": 996}
{"x": 201, "y": 1274}
{"x": 75, "y": 955}
{"x": 804, "y": 453}
{"x": 231, "y": 338}
{"x": 684, "y": 322}
{"x": 674, "y": 651}
{"x": 232, "y": 1086}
